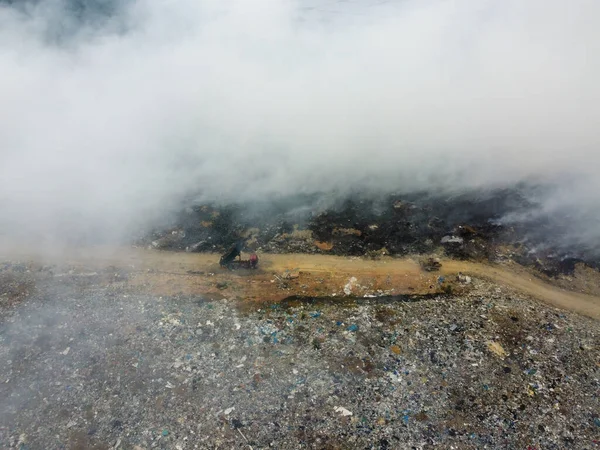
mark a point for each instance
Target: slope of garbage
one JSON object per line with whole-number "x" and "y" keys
{"x": 90, "y": 358}
{"x": 403, "y": 323}
{"x": 474, "y": 226}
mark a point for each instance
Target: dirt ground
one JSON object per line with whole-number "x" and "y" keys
{"x": 135, "y": 349}
{"x": 283, "y": 275}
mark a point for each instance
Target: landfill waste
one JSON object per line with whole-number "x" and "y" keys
{"x": 431, "y": 264}
{"x": 465, "y": 279}
{"x": 350, "y": 286}
{"x": 497, "y": 349}
{"x": 467, "y": 226}
{"x": 488, "y": 368}
{"x": 343, "y": 411}
{"x": 452, "y": 240}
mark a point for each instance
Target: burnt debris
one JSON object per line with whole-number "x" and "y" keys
{"x": 467, "y": 226}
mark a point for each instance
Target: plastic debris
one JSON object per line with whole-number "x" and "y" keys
{"x": 298, "y": 363}
{"x": 496, "y": 349}
{"x": 343, "y": 411}
{"x": 464, "y": 279}
{"x": 349, "y": 286}
{"x": 395, "y": 349}
{"x": 452, "y": 240}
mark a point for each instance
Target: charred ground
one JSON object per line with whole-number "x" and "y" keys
{"x": 493, "y": 225}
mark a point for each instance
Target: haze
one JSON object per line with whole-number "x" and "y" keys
{"x": 108, "y": 123}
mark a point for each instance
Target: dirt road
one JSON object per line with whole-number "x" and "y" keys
{"x": 285, "y": 275}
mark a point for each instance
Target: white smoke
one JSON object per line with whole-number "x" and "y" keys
{"x": 108, "y": 126}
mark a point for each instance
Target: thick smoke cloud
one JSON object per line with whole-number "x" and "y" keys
{"x": 107, "y": 121}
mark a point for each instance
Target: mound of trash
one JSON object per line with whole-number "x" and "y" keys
{"x": 467, "y": 226}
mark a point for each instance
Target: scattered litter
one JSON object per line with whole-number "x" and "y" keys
{"x": 290, "y": 274}
{"x": 496, "y": 349}
{"x": 66, "y": 351}
{"x": 452, "y": 240}
{"x": 431, "y": 264}
{"x": 464, "y": 279}
{"x": 349, "y": 286}
{"x": 420, "y": 364}
{"x": 343, "y": 411}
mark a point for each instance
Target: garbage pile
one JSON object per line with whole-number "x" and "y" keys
{"x": 465, "y": 227}
{"x": 99, "y": 365}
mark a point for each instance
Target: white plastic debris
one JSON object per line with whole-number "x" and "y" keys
{"x": 66, "y": 351}
{"x": 465, "y": 279}
{"x": 349, "y": 286}
{"x": 229, "y": 410}
{"x": 452, "y": 240}
{"x": 343, "y": 411}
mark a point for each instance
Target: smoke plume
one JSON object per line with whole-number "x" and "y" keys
{"x": 113, "y": 112}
